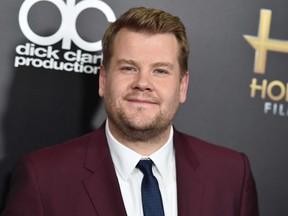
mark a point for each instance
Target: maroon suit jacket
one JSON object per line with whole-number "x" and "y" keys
{"x": 78, "y": 178}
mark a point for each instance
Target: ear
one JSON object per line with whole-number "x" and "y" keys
{"x": 102, "y": 77}
{"x": 184, "y": 82}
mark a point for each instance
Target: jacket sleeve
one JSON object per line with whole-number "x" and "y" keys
{"x": 249, "y": 200}
{"x": 24, "y": 198}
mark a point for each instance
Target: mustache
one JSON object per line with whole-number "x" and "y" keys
{"x": 145, "y": 96}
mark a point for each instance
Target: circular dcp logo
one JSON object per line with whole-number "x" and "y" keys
{"x": 67, "y": 31}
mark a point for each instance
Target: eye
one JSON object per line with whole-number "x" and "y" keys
{"x": 128, "y": 69}
{"x": 161, "y": 72}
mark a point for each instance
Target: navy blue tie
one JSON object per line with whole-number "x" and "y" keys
{"x": 151, "y": 196}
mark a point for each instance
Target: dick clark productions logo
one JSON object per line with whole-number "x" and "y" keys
{"x": 40, "y": 52}
{"x": 275, "y": 92}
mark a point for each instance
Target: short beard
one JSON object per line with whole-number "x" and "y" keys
{"x": 127, "y": 128}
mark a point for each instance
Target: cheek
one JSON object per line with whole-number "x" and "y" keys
{"x": 176, "y": 94}
{"x": 170, "y": 97}
{"x": 114, "y": 90}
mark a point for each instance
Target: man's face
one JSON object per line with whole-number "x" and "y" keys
{"x": 142, "y": 87}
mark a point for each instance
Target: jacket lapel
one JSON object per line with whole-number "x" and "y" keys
{"x": 190, "y": 185}
{"x": 102, "y": 184}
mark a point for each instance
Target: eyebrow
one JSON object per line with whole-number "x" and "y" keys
{"x": 126, "y": 61}
{"x": 163, "y": 64}
{"x": 156, "y": 64}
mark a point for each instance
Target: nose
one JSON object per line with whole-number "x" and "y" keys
{"x": 143, "y": 81}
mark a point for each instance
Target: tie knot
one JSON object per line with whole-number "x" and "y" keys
{"x": 145, "y": 166}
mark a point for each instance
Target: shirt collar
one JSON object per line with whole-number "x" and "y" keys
{"x": 125, "y": 159}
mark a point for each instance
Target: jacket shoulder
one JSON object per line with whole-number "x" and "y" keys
{"x": 68, "y": 153}
{"x": 210, "y": 154}
{"x": 62, "y": 150}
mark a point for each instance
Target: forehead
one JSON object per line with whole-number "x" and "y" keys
{"x": 130, "y": 44}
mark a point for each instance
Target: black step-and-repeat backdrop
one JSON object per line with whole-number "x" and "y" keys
{"x": 50, "y": 52}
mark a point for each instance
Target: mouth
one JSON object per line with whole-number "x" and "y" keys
{"x": 142, "y": 101}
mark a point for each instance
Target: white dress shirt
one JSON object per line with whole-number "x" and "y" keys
{"x": 130, "y": 178}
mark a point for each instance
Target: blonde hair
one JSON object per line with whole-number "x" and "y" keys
{"x": 150, "y": 21}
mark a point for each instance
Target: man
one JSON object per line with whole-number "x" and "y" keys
{"x": 143, "y": 79}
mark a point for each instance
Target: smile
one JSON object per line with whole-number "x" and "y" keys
{"x": 141, "y": 101}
